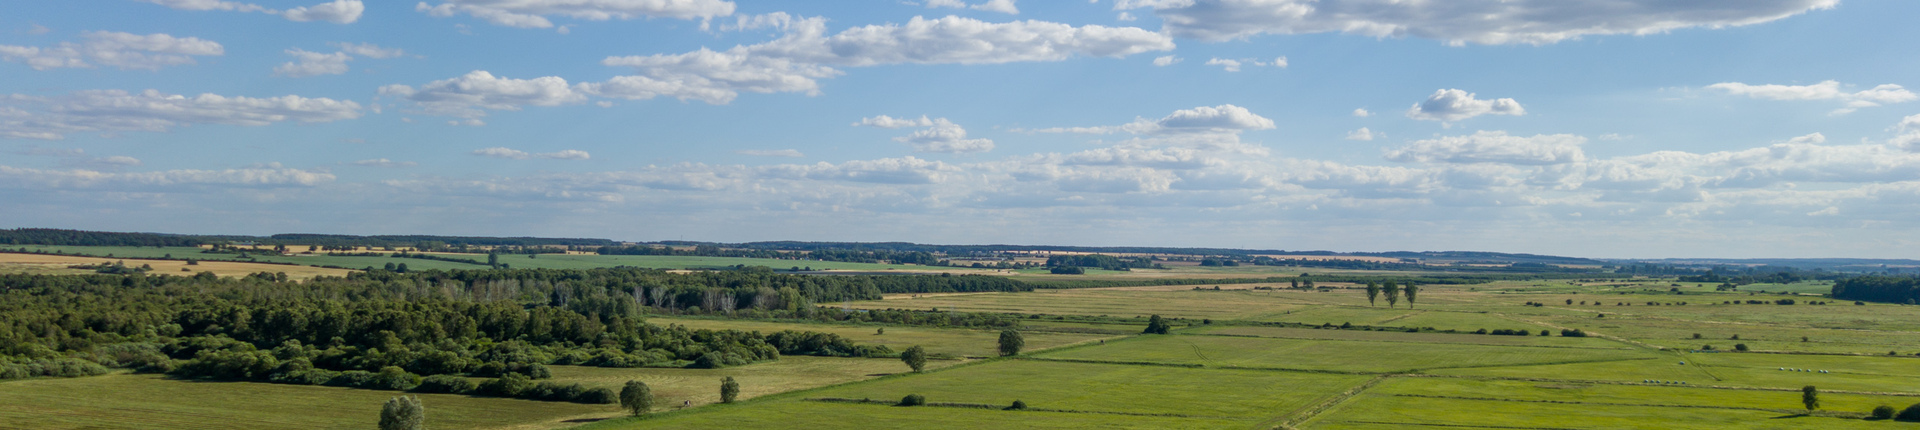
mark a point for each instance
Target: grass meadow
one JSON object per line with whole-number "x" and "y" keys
{"x": 958, "y": 342}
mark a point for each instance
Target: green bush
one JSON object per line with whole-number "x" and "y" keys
{"x": 1018, "y": 406}
{"x": 447, "y": 384}
{"x": 918, "y": 400}
{"x": 598, "y": 396}
{"x": 509, "y": 385}
{"x": 1911, "y": 413}
{"x": 1883, "y": 412}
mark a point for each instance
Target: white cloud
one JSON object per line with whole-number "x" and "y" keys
{"x": 1233, "y": 65}
{"x": 1362, "y": 112}
{"x": 1166, "y": 61}
{"x": 794, "y": 62}
{"x": 514, "y": 154}
{"x": 309, "y": 63}
{"x": 884, "y": 121}
{"x": 1001, "y": 6}
{"x": 273, "y": 177}
{"x": 32, "y": 117}
{"x": 1206, "y": 119}
{"x": 940, "y": 136}
{"x": 534, "y": 13}
{"x": 1225, "y": 64}
{"x": 336, "y": 11}
{"x": 1825, "y": 90}
{"x": 1494, "y": 147}
{"x": 382, "y": 162}
{"x": 121, "y": 50}
{"x": 368, "y": 50}
{"x": 790, "y": 153}
{"x": 1459, "y": 22}
{"x": 1362, "y": 134}
{"x": 1454, "y": 105}
{"x": 470, "y": 95}
{"x": 37, "y": 29}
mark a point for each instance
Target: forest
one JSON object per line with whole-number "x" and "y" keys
{"x": 427, "y": 330}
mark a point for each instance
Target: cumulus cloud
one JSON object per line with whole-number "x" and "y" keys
{"x": 263, "y": 177}
{"x": 308, "y": 63}
{"x": 1494, "y": 147}
{"x": 789, "y": 153}
{"x": 1825, "y": 90}
{"x": 33, "y": 117}
{"x": 336, "y": 11}
{"x": 1362, "y": 112}
{"x": 1454, "y": 105}
{"x": 1362, "y": 134}
{"x": 121, "y": 50}
{"x": 1164, "y": 61}
{"x": 1233, "y": 65}
{"x": 1001, "y": 6}
{"x": 514, "y": 154}
{"x": 1491, "y": 22}
{"x": 472, "y": 94}
{"x": 534, "y": 13}
{"x": 382, "y": 162}
{"x": 806, "y": 53}
{"x": 940, "y": 135}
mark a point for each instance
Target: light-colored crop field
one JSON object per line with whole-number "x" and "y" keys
{"x": 1332, "y": 355}
{"x": 1117, "y": 303}
{"x": 124, "y": 401}
{"x": 675, "y": 387}
{"x": 1258, "y": 395}
{"x": 959, "y": 342}
{"x": 58, "y": 265}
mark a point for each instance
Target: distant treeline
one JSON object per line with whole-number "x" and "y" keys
{"x": 839, "y": 255}
{"x": 1888, "y": 289}
{"x": 1248, "y": 254}
{"x": 1107, "y": 262}
{"x": 47, "y": 236}
{"x": 1449, "y": 279}
{"x": 428, "y": 330}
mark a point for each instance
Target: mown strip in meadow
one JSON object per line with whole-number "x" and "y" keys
{"x": 1332, "y": 355}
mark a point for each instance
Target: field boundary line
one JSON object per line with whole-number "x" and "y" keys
{"x": 1640, "y": 405}
{"x": 1004, "y": 408}
{"x": 1457, "y": 425}
{"x": 1589, "y": 333}
{"x": 1480, "y": 366}
{"x": 1388, "y": 320}
{"x": 1412, "y": 341}
{"x": 1305, "y": 413}
{"x": 1641, "y": 384}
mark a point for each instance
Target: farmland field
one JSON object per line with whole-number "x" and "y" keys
{"x": 1332, "y": 355}
{"x": 153, "y": 402}
{"x": 959, "y": 342}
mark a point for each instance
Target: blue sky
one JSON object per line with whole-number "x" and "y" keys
{"x": 1618, "y": 128}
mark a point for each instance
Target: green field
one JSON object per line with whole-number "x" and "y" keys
{"x": 153, "y": 402}
{"x": 1189, "y": 304}
{"x": 958, "y": 342}
{"x": 1332, "y": 355}
{"x": 702, "y": 386}
{"x": 544, "y": 261}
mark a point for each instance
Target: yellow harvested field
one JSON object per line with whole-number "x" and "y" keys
{"x": 57, "y": 264}
{"x": 1333, "y": 258}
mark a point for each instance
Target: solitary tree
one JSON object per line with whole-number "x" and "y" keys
{"x": 1373, "y": 292}
{"x": 915, "y": 357}
{"x": 729, "y": 390}
{"x": 1011, "y": 342}
{"x": 1157, "y": 325}
{"x": 403, "y": 413}
{"x": 1810, "y": 397}
{"x": 637, "y": 398}
{"x": 1411, "y": 291}
{"x": 1393, "y": 293}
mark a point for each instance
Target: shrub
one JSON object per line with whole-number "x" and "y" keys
{"x": 393, "y": 378}
{"x": 1911, "y": 413}
{"x": 918, "y": 400}
{"x": 729, "y": 390}
{"x": 1740, "y": 347}
{"x": 1021, "y": 406}
{"x": 1883, "y": 412}
{"x": 915, "y": 357}
{"x": 598, "y": 396}
{"x": 448, "y": 384}
{"x": 403, "y": 413}
{"x": 509, "y": 385}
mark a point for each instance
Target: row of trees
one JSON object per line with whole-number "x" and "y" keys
{"x": 840, "y": 255}
{"x": 1888, "y": 289}
{"x": 1393, "y": 291}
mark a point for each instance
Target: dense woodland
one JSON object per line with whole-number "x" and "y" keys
{"x": 1890, "y": 289}
{"x": 424, "y": 330}
{"x": 840, "y": 255}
